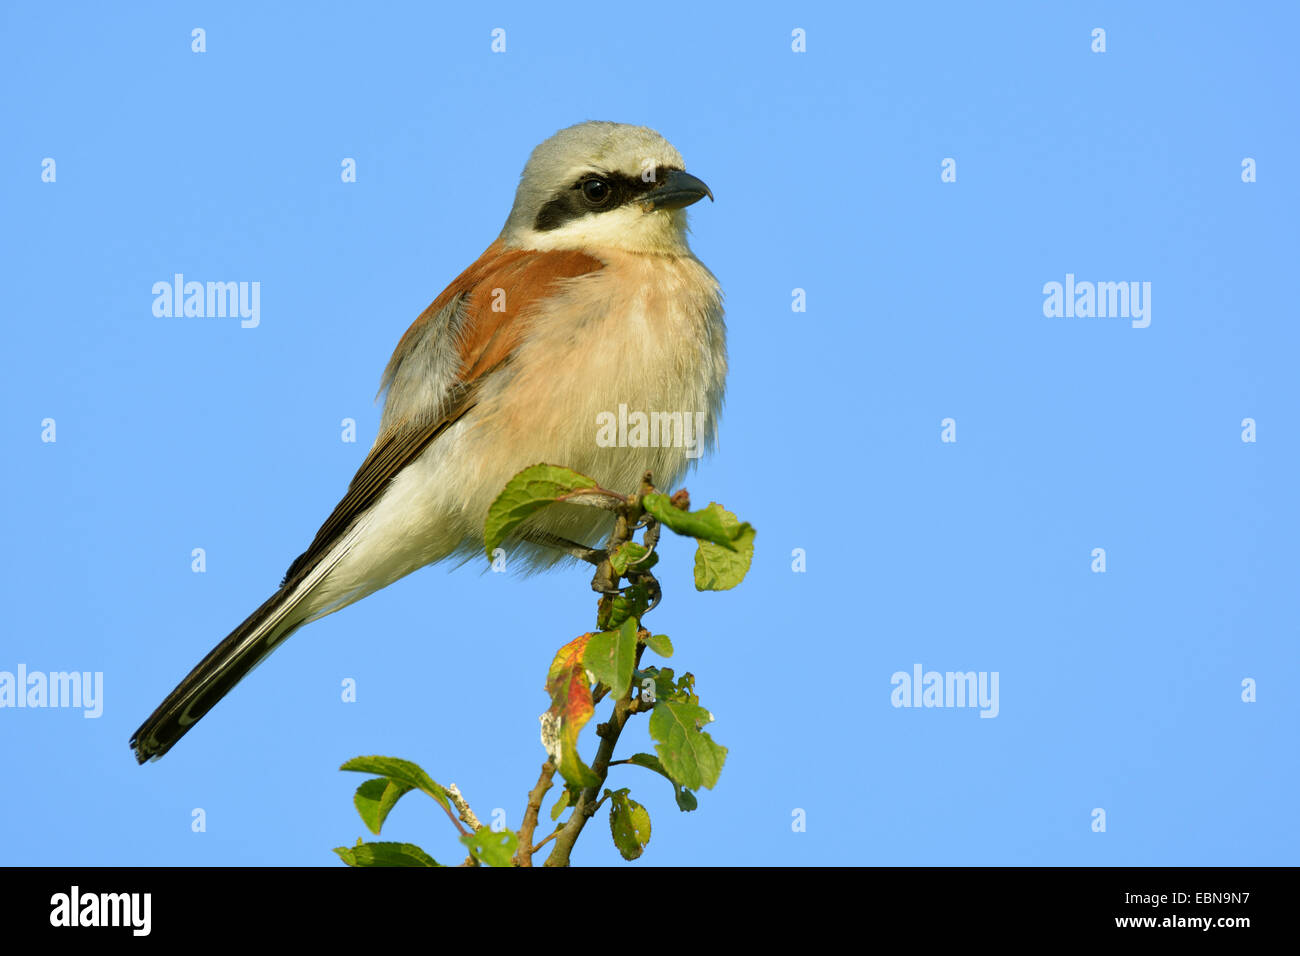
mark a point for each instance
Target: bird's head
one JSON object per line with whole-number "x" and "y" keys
{"x": 605, "y": 185}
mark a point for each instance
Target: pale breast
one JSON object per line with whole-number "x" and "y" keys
{"x": 620, "y": 374}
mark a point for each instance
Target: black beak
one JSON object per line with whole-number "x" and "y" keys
{"x": 675, "y": 190}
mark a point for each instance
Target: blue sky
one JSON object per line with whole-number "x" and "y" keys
{"x": 1120, "y": 691}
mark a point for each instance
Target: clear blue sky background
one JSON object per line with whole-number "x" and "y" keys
{"x": 1119, "y": 690}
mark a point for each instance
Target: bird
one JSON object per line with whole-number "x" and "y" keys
{"x": 589, "y": 300}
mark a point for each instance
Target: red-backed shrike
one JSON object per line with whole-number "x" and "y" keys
{"x": 590, "y": 299}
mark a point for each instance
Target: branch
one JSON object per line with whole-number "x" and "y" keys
{"x": 630, "y": 513}
{"x": 626, "y": 524}
{"x": 524, "y": 855}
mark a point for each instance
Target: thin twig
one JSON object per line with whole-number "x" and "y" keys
{"x": 462, "y": 805}
{"x": 595, "y": 497}
{"x": 554, "y": 834}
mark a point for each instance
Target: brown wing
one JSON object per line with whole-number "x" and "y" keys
{"x": 502, "y": 286}
{"x": 487, "y": 301}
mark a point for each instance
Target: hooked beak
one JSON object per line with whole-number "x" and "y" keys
{"x": 675, "y": 190}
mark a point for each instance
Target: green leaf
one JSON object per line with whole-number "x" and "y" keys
{"x": 707, "y": 524}
{"x": 720, "y": 569}
{"x": 385, "y": 854}
{"x": 567, "y": 796}
{"x": 611, "y": 656}
{"x": 613, "y": 610}
{"x": 666, "y": 688}
{"x": 571, "y": 708}
{"x": 686, "y": 801}
{"x": 660, "y": 644}
{"x": 629, "y": 823}
{"x": 527, "y": 493}
{"x": 493, "y": 848}
{"x": 401, "y": 772}
{"x": 689, "y": 754}
{"x": 686, "y": 690}
{"x": 631, "y": 554}
{"x": 650, "y": 762}
{"x": 375, "y": 798}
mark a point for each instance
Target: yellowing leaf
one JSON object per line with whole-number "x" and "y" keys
{"x": 571, "y": 708}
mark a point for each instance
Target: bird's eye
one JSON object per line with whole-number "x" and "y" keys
{"x": 596, "y": 191}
